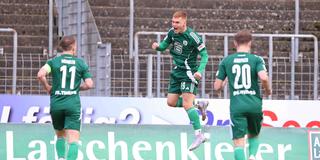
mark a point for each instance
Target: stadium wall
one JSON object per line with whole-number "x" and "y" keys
{"x": 117, "y": 128}
{"x": 154, "y": 111}
{"x": 153, "y": 142}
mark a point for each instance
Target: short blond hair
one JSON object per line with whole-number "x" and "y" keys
{"x": 179, "y": 14}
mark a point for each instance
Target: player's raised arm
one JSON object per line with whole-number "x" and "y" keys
{"x": 160, "y": 47}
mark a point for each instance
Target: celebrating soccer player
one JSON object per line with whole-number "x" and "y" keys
{"x": 184, "y": 78}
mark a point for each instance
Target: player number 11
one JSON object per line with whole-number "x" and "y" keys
{"x": 63, "y": 69}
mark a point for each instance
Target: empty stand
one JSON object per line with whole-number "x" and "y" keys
{"x": 112, "y": 18}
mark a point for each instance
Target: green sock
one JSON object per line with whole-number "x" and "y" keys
{"x": 73, "y": 151}
{"x": 61, "y": 147}
{"x": 253, "y": 145}
{"x": 239, "y": 153}
{"x": 179, "y": 102}
{"x": 194, "y": 118}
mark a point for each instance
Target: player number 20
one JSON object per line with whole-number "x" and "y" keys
{"x": 243, "y": 72}
{"x": 63, "y": 69}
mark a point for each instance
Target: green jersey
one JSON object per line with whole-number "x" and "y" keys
{"x": 67, "y": 72}
{"x": 185, "y": 48}
{"x": 242, "y": 69}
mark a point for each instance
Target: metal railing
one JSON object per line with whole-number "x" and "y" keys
{"x": 15, "y": 55}
{"x": 225, "y": 36}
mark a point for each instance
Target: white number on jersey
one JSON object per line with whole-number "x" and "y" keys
{"x": 243, "y": 72}
{"x": 63, "y": 69}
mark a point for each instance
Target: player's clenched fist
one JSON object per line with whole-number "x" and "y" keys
{"x": 197, "y": 75}
{"x": 155, "y": 45}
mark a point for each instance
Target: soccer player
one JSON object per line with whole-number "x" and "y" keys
{"x": 67, "y": 71}
{"x": 242, "y": 70}
{"x": 186, "y": 45}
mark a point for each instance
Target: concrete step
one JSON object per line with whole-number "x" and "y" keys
{"x": 25, "y": 40}
{"x": 213, "y": 4}
{"x": 21, "y": 8}
{"x": 32, "y": 30}
{"x": 18, "y": 19}
{"x": 264, "y": 26}
{"x": 110, "y": 3}
{"x": 120, "y": 32}
{"x": 217, "y": 4}
{"x": 36, "y": 2}
{"x": 102, "y": 11}
{"x": 24, "y": 49}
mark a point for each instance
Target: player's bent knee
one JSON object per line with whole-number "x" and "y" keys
{"x": 187, "y": 107}
{"x": 171, "y": 104}
{"x": 239, "y": 142}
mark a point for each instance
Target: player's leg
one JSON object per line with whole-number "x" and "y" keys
{"x": 254, "y": 127}
{"x": 187, "y": 99}
{"x": 239, "y": 146}
{"x": 72, "y": 127}
{"x": 61, "y": 143}
{"x": 73, "y": 139}
{"x": 189, "y": 89}
{"x": 253, "y": 146}
{"x": 57, "y": 117}
{"x": 174, "y": 99}
{"x": 190, "y": 84}
{"x": 194, "y": 119}
{"x": 239, "y": 130}
{"x": 191, "y": 111}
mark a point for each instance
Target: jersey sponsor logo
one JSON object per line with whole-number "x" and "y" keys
{"x": 195, "y": 37}
{"x": 65, "y": 93}
{"x": 177, "y": 47}
{"x": 244, "y": 92}
{"x": 201, "y": 47}
{"x": 185, "y": 43}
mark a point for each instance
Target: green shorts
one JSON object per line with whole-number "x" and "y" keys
{"x": 182, "y": 81}
{"x": 69, "y": 118}
{"x": 243, "y": 123}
